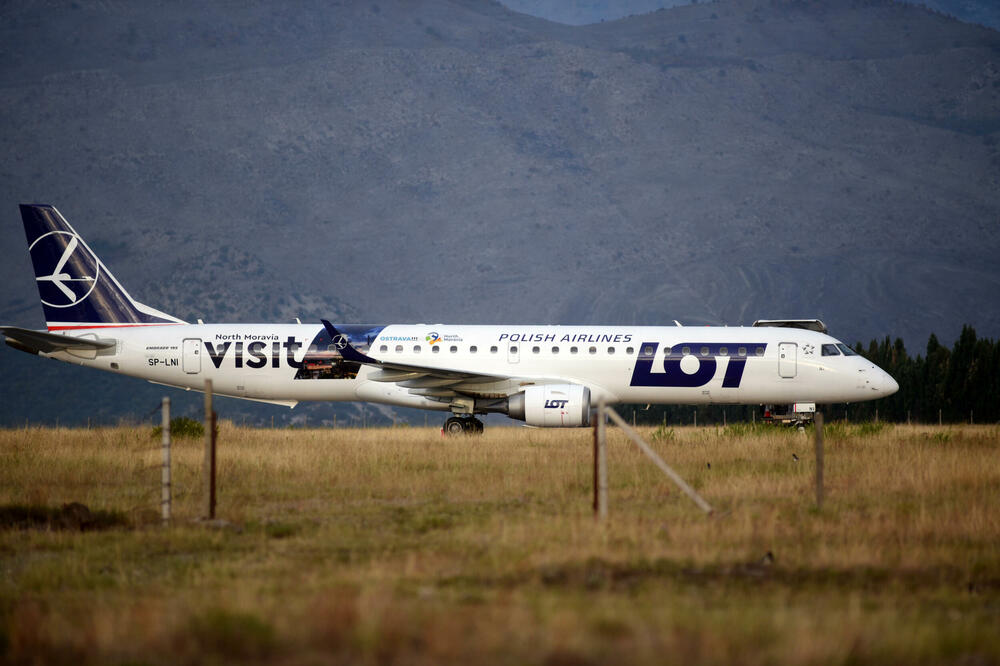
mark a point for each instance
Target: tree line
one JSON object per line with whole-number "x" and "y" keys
{"x": 956, "y": 385}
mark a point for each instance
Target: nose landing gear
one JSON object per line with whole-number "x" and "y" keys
{"x": 463, "y": 425}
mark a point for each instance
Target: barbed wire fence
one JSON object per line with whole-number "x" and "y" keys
{"x": 159, "y": 479}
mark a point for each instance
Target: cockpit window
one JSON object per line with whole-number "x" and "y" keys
{"x": 847, "y": 350}
{"x": 830, "y": 350}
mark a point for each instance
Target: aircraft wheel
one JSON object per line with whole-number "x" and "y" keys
{"x": 454, "y": 426}
{"x": 475, "y": 426}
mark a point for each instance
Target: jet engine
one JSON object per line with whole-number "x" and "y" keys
{"x": 551, "y": 406}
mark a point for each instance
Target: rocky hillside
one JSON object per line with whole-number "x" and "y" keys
{"x": 452, "y": 160}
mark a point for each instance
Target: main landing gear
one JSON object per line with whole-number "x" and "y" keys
{"x": 463, "y": 425}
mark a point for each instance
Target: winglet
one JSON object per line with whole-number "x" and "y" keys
{"x": 343, "y": 344}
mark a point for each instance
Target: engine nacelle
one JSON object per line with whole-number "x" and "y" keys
{"x": 551, "y": 406}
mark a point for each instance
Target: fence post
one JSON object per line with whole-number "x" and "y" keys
{"x": 601, "y": 464}
{"x": 208, "y": 468}
{"x": 597, "y": 446}
{"x": 818, "y": 420}
{"x": 165, "y": 491}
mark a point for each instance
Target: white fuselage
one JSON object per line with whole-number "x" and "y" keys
{"x": 635, "y": 364}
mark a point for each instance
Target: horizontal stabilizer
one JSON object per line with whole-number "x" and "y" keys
{"x": 34, "y": 342}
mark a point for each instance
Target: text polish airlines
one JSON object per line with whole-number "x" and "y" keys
{"x": 543, "y": 375}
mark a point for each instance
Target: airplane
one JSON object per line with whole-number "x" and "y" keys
{"x": 543, "y": 375}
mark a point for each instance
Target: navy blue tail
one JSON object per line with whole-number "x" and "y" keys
{"x": 76, "y": 288}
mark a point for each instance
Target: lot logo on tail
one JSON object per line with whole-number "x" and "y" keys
{"x": 75, "y": 269}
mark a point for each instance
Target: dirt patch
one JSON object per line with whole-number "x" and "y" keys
{"x": 73, "y": 516}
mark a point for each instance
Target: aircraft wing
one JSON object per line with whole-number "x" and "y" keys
{"x": 34, "y": 342}
{"x": 408, "y": 375}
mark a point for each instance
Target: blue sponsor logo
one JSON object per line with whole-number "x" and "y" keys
{"x": 705, "y": 353}
{"x": 555, "y": 404}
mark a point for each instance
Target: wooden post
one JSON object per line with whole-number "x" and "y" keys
{"x": 597, "y": 438}
{"x": 601, "y": 462}
{"x": 939, "y": 417}
{"x": 818, "y": 420}
{"x": 696, "y": 418}
{"x": 208, "y": 468}
{"x": 165, "y": 490}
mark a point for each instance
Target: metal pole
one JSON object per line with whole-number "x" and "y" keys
{"x": 818, "y": 420}
{"x": 208, "y": 467}
{"x": 602, "y": 462}
{"x": 658, "y": 461}
{"x": 165, "y": 491}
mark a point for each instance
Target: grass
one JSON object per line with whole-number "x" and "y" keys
{"x": 400, "y": 546}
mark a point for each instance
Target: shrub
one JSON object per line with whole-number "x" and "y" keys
{"x": 663, "y": 434}
{"x": 182, "y": 427}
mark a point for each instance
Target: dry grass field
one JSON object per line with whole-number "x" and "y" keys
{"x": 400, "y": 546}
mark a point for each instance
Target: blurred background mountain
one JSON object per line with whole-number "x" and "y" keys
{"x": 457, "y": 161}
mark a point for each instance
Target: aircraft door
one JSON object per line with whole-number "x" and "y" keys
{"x": 787, "y": 352}
{"x": 192, "y": 355}
{"x": 513, "y": 352}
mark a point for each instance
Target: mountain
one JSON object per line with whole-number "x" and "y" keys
{"x": 452, "y": 160}
{"x": 581, "y": 12}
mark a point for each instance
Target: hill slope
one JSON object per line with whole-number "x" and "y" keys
{"x": 455, "y": 161}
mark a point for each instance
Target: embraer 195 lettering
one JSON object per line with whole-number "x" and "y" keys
{"x": 543, "y": 375}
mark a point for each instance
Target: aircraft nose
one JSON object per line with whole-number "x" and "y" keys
{"x": 889, "y": 385}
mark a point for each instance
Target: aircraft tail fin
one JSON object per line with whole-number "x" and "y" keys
{"x": 76, "y": 288}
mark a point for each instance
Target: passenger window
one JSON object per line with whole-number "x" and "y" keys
{"x": 742, "y": 351}
{"x": 399, "y": 349}
{"x": 572, "y": 350}
{"x": 513, "y": 350}
{"x": 723, "y": 351}
{"x": 593, "y": 350}
{"x": 647, "y": 351}
{"x": 453, "y": 349}
{"x": 666, "y": 351}
{"x": 611, "y": 350}
{"x": 759, "y": 351}
{"x": 704, "y": 351}
{"x": 435, "y": 349}
{"x": 685, "y": 350}
{"x": 493, "y": 349}
{"x": 473, "y": 349}
{"x": 830, "y": 350}
{"x": 384, "y": 348}
{"x": 555, "y": 350}
{"x": 535, "y": 350}
{"x": 416, "y": 349}
{"x": 629, "y": 350}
